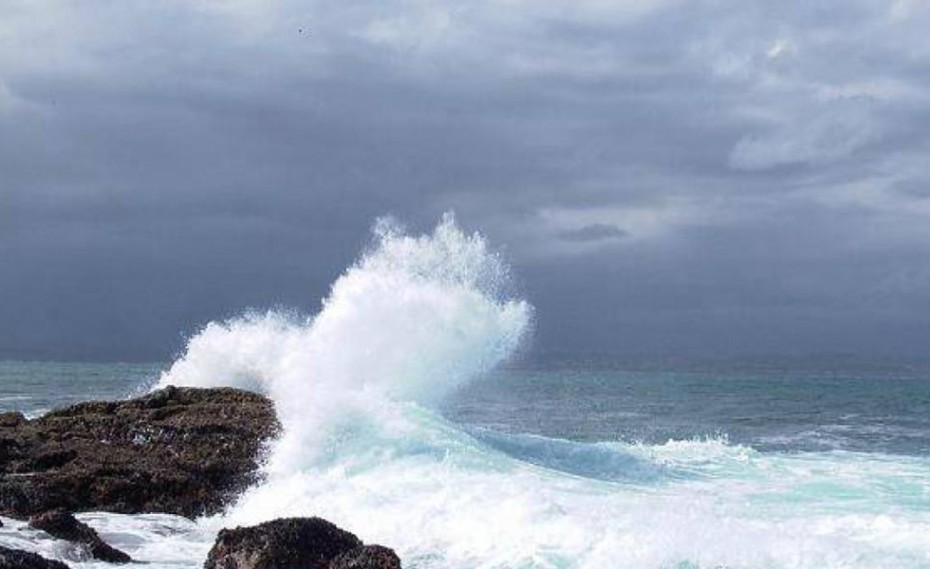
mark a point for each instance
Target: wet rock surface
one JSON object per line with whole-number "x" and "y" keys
{"x": 17, "y": 559}
{"x": 295, "y": 543}
{"x": 62, "y": 525}
{"x": 184, "y": 451}
{"x": 367, "y": 557}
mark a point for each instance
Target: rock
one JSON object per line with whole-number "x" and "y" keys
{"x": 183, "y": 451}
{"x": 288, "y": 543}
{"x": 11, "y": 419}
{"x": 62, "y": 525}
{"x": 367, "y": 557}
{"x": 17, "y": 559}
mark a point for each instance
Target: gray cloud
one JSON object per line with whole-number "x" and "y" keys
{"x": 594, "y": 232}
{"x": 752, "y": 176}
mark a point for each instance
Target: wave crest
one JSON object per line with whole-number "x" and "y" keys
{"x": 412, "y": 320}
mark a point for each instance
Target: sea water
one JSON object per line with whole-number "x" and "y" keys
{"x": 409, "y": 422}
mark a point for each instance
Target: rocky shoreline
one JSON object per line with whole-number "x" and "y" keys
{"x": 183, "y": 451}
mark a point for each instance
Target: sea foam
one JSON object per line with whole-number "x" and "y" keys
{"x": 356, "y": 387}
{"x": 412, "y": 320}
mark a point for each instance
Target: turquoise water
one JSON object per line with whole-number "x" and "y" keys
{"x": 584, "y": 468}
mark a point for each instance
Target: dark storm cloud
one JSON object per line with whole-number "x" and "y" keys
{"x": 665, "y": 176}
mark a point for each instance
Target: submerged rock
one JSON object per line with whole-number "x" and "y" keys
{"x": 17, "y": 559}
{"x": 62, "y": 525}
{"x": 288, "y": 543}
{"x": 367, "y": 557}
{"x": 185, "y": 451}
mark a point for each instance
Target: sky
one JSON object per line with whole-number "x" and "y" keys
{"x": 668, "y": 178}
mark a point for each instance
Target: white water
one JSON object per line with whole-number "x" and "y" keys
{"x": 356, "y": 387}
{"x": 412, "y": 320}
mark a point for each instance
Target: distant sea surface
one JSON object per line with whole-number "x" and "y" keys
{"x": 785, "y": 406}
{"x": 36, "y": 387}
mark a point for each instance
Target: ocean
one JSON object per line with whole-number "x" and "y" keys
{"x": 410, "y": 420}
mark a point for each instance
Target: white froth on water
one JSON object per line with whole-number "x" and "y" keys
{"x": 415, "y": 318}
{"x": 157, "y": 540}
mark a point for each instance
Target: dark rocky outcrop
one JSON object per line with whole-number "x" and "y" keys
{"x": 62, "y": 525}
{"x": 17, "y": 559}
{"x": 367, "y": 557}
{"x": 184, "y": 451}
{"x": 291, "y": 543}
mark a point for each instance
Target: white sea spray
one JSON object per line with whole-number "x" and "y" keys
{"x": 356, "y": 387}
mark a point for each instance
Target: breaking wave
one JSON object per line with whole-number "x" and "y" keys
{"x": 357, "y": 386}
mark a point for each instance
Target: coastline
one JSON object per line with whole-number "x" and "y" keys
{"x": 188, "y": 452}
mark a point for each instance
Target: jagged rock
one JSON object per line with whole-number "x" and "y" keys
{"x": 288, "y": 543}
{"x": 62, "y": 525}
{"x": 367, "y": 557}
{"x": 17, "y": 559}
{"x": 183, "y": 451}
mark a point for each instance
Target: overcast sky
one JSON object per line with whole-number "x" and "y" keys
{"x": 666, "y": 177}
